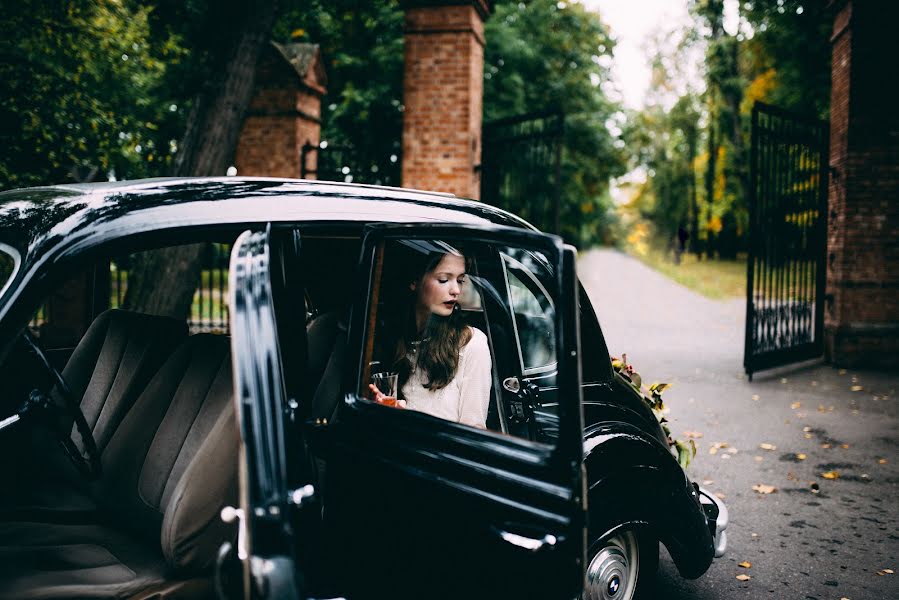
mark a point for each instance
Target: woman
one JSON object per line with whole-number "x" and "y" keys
{"x": 444, "y": 365}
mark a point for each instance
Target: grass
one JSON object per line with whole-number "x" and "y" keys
{"x": 713, "y": 278}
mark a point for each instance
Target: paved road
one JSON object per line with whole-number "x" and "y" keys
{"x": 805, "y": 543}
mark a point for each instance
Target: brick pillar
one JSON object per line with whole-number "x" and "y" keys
{"x": 443, "y": 91}
{"x": 285, "y": 112}
{"x": 862, "y": 315}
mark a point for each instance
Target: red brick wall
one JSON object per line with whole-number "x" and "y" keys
{"x": 442, "y": 98}
{"x": 862, "y": 317}
{"x": 283, "y": 115}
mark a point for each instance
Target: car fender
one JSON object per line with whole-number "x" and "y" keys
{"x": 632, "y": 477}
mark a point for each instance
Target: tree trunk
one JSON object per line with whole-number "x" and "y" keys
{"x": 163, "y": 282}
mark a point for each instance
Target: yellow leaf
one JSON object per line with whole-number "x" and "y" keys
{"x": 297, "y": 33}
{"x": 856, "y": 388}
{"x": 767, "y": 446}
{"x": 882, "y": 461}
{"x": 745, "y": 564}
{"x": 801, "y": 456}
{"x": 693, "y": 434}
{"x": 830, "y": 474}
{"x": 796, "y": 405}
{"x": 743, "y": 577}
{"x": 763, "y": 489}
{"x": 825, "y": 446}
{"x": 755, "y": 396}
{"x": 844, "y": 446}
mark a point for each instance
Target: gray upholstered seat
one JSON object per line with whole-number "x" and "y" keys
{"x": 111, "y": 365}
{"x": 168, "y": 469}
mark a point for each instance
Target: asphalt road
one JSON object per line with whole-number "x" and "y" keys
{"x": 811, "y": 538}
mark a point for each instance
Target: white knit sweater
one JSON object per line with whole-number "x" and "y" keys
{"x": 466, "y": 397}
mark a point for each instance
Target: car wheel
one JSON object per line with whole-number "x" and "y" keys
{"x": 620, "y": 566}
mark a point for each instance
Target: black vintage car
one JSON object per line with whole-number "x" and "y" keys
{"x": 147, "y": 456}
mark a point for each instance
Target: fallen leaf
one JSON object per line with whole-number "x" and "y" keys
{"x": 806, "y": 429}
{"x": 725, "y": 456}
{"x": 758, "y": 458}
{"x": 732, "y": 450}
{"x": 882, "y": 461}
{"x": 755, "y": 397}
{"x": 755, "y": 535}
{"x": 825, "y": 446}
{"x": 763, "y": 489}
{"x": 745, "y": 564}
{"x": 720, "y": 496}
{"x": 743, "y": 577}
{"x": 844, "y": 446}
{"x": 767, "y": 446}
{"x": 693, "y": 434}
{"x": 888, "y": 571}
{"x": 783, "y": 379}
{"x": 796, "y": 405}
{"x": 857, "y": 388}
{"x": 713, "y": 450}
{"x": 708, "y": 481}
{"x": 844, "y": 598}
{"x": 830, "y": 474}
{"x": 808, "y": 436}
{"x": 842, "y": 371}
{"x": 801, "y": 456}
{"x": 821, "y": 408}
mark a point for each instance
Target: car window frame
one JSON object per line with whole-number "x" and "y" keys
{"x": 570, "y": 430}
{"x": 542, "y": 370}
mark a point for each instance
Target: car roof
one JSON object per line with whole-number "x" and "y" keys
{"x": 32, "y": 218}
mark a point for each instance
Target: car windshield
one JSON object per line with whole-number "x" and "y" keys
{"x": 9, "y": 260}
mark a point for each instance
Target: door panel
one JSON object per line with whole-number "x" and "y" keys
{"x": 419, "y": 506}
{"x": 265, "y": 544}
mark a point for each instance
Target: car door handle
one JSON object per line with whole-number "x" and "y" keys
{"x": 528, "y": 543}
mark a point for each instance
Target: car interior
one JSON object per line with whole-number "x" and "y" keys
{"x": 156, "y": 397}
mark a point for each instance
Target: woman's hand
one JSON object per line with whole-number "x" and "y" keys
{"x": 380, "y": 398}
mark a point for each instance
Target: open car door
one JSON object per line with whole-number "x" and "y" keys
{"x": 426, "y": 507}
{"x": 274, "y": 485}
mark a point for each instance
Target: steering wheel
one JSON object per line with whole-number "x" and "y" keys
{"x": 89, "y": 465}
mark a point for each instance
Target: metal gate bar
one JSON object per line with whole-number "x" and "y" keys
{"x": 787, "y": 239}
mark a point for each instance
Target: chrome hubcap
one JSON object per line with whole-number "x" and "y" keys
{"x": 612, "y": 574}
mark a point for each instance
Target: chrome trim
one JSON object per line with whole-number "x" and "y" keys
{"x": 721, "y": 521}
{"x": 527, "y": 543}
{"x": 9, "y": 421}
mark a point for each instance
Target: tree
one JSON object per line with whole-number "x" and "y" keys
{"x": 208, "y": 148}
{"x": 551, "y": 55}
{"x": 82, "y": 91}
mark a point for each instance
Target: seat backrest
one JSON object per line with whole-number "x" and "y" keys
{"x": 113, "y": 362}
{"x": 172, "y": 463}
{"x": 326, "y": 338}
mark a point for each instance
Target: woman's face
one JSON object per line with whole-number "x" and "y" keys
{"x": 439, "y": 290}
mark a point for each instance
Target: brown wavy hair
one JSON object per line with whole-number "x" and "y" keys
{"x": 438, "y": 350}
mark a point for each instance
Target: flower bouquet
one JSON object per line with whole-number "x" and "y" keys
{"x": 652, "y": 395}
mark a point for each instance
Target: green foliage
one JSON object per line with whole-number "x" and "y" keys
{"x": 548, "y": 55}
{"x": 696, "y": 149}
{"x": 81, "y": 84}
{"x": 362, "y": 44}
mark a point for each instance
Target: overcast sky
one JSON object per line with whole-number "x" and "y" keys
{"x": 632, "y": 21}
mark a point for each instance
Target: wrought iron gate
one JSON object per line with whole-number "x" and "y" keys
{"x": 787, "y": 239}
{"x": 521, "y": 167}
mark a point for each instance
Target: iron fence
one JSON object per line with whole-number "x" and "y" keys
{"x": 787, "y": 239}
{"x": 209, "y": 309}
{"x": 521, "y": 167}
{"x": 327, "y": 162}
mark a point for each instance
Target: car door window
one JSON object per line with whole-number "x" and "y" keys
{"x": 429, "y": 345}
{"x": 534, "y": 314}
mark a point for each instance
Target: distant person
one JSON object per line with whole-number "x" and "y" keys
{"x": 444, "y": 365}
{"x": 682, "y": 237}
